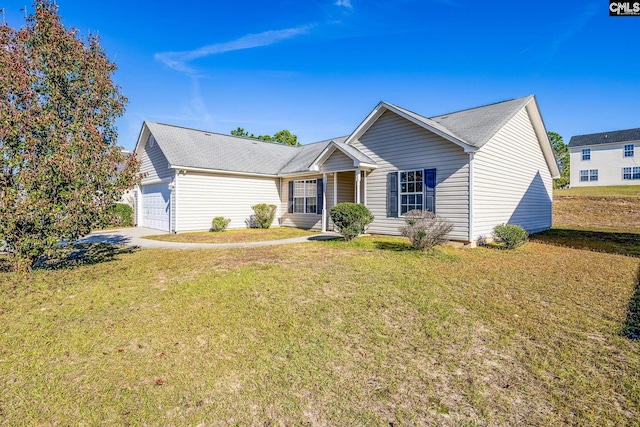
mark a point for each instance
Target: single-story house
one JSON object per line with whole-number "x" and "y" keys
{"x": 477, "y": 168}
{"x": 606, "y": 158}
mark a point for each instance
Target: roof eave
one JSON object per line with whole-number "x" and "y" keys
{"x": 222, "y": 171}
{"x": 543, "y": 137}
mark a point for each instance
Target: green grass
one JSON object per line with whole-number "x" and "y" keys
{"x": 323, "y": 333}
{"x": 628, "y": 191}
{"x": 234, "y": 236}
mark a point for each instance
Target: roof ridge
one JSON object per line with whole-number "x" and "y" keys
{"x": 607, "y": 132}
{"x": 223, "y": 134}
{"x": 481, "y": 106}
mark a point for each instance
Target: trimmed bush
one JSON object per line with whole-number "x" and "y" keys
{"x": 425, "y": 229}
{"x": 120, "y": 215}
{"x": 351, "y": 219}
{"x": 219, "y": 223}
{"x": 263, "y": 216}
{"x": 510, "y": 235}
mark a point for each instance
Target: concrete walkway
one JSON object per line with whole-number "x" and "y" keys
{"x": 134, "y": 237}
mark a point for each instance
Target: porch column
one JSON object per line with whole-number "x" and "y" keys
{"x": 324, "y": 202}
{"x": 358, "y": 178}
{"x": 364, "y": 200}
{"x": 335, "y": 188}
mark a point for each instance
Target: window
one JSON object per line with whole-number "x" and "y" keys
{"x": 593, "y": 175}
{"x": 631, "y": 172}
{"x": 584, "y": 175}
{"x": 628, "y": 150}
{"x": 305, "y": 196}
{"x": 411, "y": 196}
{"x": 586, "y": 154}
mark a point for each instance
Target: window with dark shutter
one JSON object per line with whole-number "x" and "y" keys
{"x": 392, "y": 194}
{"x": 320, "y": 196}
{"x": 430, "y": 189}
{"x": 290, "y": 208}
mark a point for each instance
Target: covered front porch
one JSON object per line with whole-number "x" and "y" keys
{"x": 339, "y": 187}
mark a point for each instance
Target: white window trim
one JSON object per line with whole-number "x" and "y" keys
{"x": 631, "y": 169}
{"x": 582, "y": 153}
{"x": 584, "y": 172}
{"x": 597, "y": 175}
{"x": 400, "y": 172}
{"x": 304, "y": 198}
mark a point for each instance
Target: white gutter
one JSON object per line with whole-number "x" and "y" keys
{"x": 471, "y": 236}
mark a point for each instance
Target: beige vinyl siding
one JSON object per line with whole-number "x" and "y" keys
{"x": 154, "y": 164}
{"x": 608, "y": 159}
{"x": 346, "y": 191}
{"x": 511, "y": 180}
{"x": 397, "y": 144}
{"x": 202, "y": 196}
{"x": 298, "y": 220}
{"x": 338, "y": 161}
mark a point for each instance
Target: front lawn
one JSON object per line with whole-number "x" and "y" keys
{"x": 235, "y": 236}
{"x": 325, "y": 333}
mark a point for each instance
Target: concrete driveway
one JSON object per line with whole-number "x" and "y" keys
{"x": 133, "y": 237}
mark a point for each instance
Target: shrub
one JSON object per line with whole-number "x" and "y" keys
{"x": 120, "y": 215}
{"x": 220, "y": 223}
{"x": 510, "y": 235}
{"x": 351, "y": 219}
{"x": 263, "y": 216}
{"x": 425, "y": 229}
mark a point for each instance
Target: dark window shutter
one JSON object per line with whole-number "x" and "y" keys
{"x": 392, "y": 194}
{"x": 290, "y": 209}
{"x": 430, "y": 189}
{"x": 319, "y": 199}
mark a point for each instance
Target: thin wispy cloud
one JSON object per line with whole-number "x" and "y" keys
{"x": 344, "y": 3}
{"x": 179, "y": 60}
{"x": 574, "y": 27}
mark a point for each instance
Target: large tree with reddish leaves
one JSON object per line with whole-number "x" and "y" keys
{"x": 61, "y": 168}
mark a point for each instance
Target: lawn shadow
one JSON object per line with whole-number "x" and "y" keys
{"x": 598, "y": 241}
{"x": 393, "y": 246}
{"x": 631, "y": 327}
{"x": 85, "y": 254}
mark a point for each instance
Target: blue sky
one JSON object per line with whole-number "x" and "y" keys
{"x": 319, "y": 67}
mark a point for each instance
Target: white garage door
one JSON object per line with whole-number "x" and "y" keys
{"x": 156, "y": 206}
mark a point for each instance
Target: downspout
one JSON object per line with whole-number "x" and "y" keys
{"x": 324, "y": 202}
{"x": 175, "y": 198}
{"x": 471, "y": 236}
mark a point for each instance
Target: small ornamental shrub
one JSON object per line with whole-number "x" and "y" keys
{"x": 120, "y": 215}
{"x": 220, "y": 223}
{"x": 425, "y": 229}
{"x": 351, "y": 219}
{"x": 263, "y": 216}
{"x": 510, "y": 235}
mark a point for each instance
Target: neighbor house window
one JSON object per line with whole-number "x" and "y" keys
{"x": 593, "y": 175}
{"x": 305, "y": 196}
{"x": 584, "y": 175}
{"x": 411, "y": 195}
{"x": 628, "y": 150}
{"x": 586, "y": 154}
{"x": 636, "y": 172}
{"x": 626, "y": 173}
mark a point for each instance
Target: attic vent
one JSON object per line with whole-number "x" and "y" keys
{"x": 208, "y": 134}
{"x": 152, "y": 141}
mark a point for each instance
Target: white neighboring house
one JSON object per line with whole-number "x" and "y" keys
{"x": 607, "y": 158}
{"x": 477, "y": 168}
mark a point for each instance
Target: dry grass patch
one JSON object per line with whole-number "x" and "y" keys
{"x": 235, "y": 236}
{"x": 615, "y": 209}
{"x": 324, "y": 333}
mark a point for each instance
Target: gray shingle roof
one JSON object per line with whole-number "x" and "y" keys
{"x": 605, "y": 137}
{"x": 477, "y": 126}
{"x": 200, "y": 149}
{"x": 207, "y": 150}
